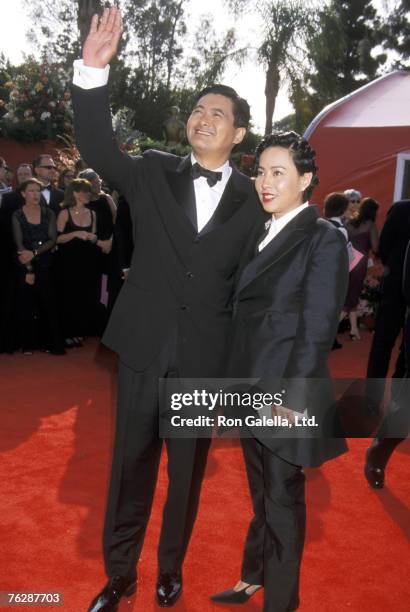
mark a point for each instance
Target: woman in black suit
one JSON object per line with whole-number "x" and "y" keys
{"x": 287, "y": 303}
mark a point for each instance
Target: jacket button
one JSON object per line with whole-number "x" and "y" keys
{"x": 196, "y": 239}
{"x": 184, "y": 307}
{"x": 189, "y": 274}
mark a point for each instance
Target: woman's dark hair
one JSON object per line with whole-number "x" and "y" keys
{"x": 367, "y": 212}
{"x": 76, "y": 186}
{"x": 304, "y": 157}
{"x": 30, "y": 181}
{"x": 241, "y": 110}
{"x": 80, "y": 165}
{"x": 335, "y": 204}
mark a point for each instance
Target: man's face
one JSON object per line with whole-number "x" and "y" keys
{"x": 210, "y": 128}
{"x": 46, "y": 170}
{"x": 23, "y": 174}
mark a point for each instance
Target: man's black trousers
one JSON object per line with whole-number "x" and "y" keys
{"x": 137, "y": 452}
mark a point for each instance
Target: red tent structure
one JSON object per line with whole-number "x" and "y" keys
{"x": 362, "y": 141}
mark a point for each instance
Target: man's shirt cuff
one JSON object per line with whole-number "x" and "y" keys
{"x": 88, "y": 77}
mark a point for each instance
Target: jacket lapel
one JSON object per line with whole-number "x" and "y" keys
{"x": 287, "y": 239}
{"x": 182, "y": 188}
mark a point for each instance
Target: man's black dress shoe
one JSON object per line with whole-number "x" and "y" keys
{"x": 169, "y": 588}
{"x": 233, "y": 597}
{"x": 374, "y": 473}
{"x": 109, "y": 598}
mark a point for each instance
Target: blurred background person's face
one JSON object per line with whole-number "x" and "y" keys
{"x": 3, "y": 173}
{"x": 68, "y": 177}
{"x": 23, "y": 173}
{"x": 352, "y": 210}
{"x": 46, "y": 170}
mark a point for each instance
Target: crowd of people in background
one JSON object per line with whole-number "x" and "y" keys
{"x": 64, "y": 255}
{"x": 58, "y": 257}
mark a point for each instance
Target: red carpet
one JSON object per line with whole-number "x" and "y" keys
{"x": 56, "y": 431}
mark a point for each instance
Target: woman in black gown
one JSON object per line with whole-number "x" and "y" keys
{"x": 35, "y": 233}
{"x": 78, "y": 272}
{"x": 106, "y": 211}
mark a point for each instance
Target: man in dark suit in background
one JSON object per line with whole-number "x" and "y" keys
{"x": 395, "y": 425}
{"x": 44, "y": 168}
{"x": 121, "y": 252}
{"x": 394, "y": 238}
{"x": 191, "y": 220}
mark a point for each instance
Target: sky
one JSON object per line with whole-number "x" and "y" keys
{"x": 247, "y": 80}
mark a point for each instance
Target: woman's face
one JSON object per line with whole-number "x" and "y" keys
{"x": 32, "y": 194}
{"x": 68, "y": 177}
{"x": 352, "y": 210}
{"x": 279, "y": 185}
{"x": 96, "y": 184}
{"x": 82, "y": 197}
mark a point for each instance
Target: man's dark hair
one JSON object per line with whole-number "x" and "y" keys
{"x": 304, "y": 157}
{"x": 241, "y": 110}
{"x": 335, "y": 204}
{"x": 38, "y": 161}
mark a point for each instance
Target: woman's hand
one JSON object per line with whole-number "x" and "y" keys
{"x": 92, "y": 237}
{"x": 30, "y": 278}
{"x": 82, "y": 234}
{"x": 102, "y": 41}
{"x": 25, "y": 257}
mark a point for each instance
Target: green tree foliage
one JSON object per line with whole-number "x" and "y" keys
{"x": 397, "y": 33}
{"x": 285, "y": 25}
{"x": 342, "y": 56}
{"x": 156, "y": 67}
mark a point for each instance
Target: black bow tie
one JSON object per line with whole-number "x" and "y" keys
{"x": 48, "y": 187}
{"x": 211, "y": 176}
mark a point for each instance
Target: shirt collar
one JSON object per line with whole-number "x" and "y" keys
{"x": 278, "y": 224}
{"x": 225, "y": 168}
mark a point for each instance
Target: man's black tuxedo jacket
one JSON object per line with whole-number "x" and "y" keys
{"x": 56, "y": 197}
{"x": 394, "y": 238}
{"x": 180, "y": 281}
{"x": 287, "y": 306}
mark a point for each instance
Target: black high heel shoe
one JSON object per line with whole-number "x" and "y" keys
{"x": 234, "y": 597}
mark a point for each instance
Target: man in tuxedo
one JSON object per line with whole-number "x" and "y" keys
{"x": 44, "y": 169}
{"x": 191, "y": 220}
{"x": 394, "y": 238}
